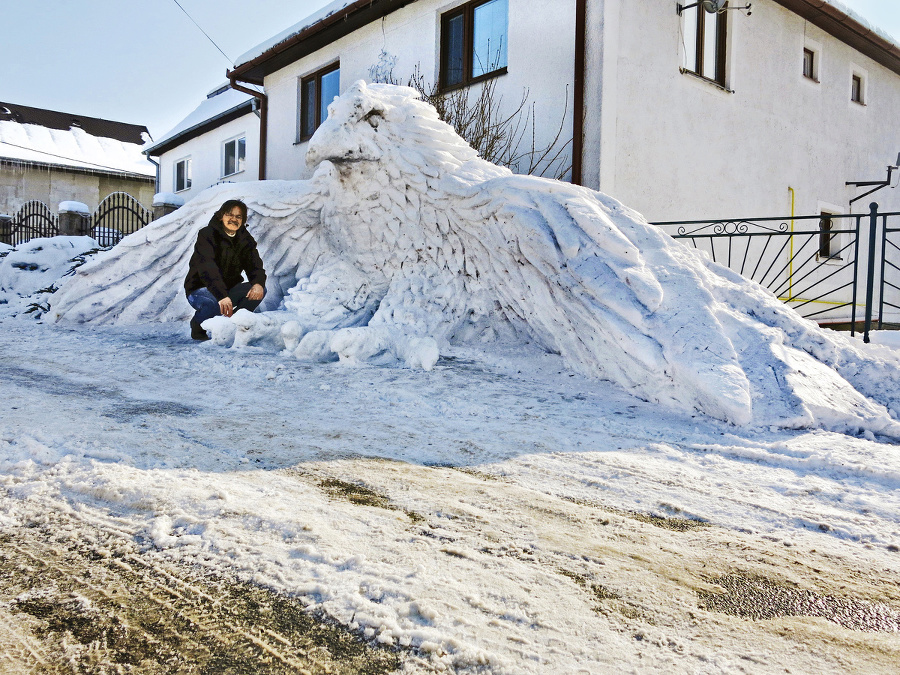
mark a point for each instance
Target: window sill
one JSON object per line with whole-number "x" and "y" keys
{"x": 475, "y": 80}
{"x": 861, "y": 104}
{"x": 697, "y": 76}
{"x": 183, "y": 189}
{"x": 811, "y": 79}
{"x": 229, "y": 175}
{"x": 829, "y": 259}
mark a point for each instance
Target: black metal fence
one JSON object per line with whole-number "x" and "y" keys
{"x": 33, "y": 220}
{"x": 117, "y": 216}
{"x": 825, "y": 266}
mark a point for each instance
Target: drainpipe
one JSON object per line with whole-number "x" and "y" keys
{"x": 152, "y": 161}
{"x": 263, "y": 119}
{"x": 578, "y": 105}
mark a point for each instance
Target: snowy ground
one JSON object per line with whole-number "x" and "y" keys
{"x": 494, "y": 515}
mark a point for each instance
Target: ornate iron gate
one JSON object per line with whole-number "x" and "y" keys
{"x": 118, "y": 215}
{"x": 33, "y": 220}
{"x": 823, "y": 266}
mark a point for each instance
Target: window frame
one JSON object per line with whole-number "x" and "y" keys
{"x": 302, "y": 117}
{"x": 857, "y": 94}
{"x": 467, "y": 11}
{"x": 239, "y": 162}
{"x": 187, "y": 174}
{"x": 813, "y": 62}
{"x": 697, "y": 50}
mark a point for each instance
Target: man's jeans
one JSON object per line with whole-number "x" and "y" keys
{"x": 207, "y": 306}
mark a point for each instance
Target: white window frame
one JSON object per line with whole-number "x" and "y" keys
{"x": 188, "y": 178}
{"x": 240, "y": 163}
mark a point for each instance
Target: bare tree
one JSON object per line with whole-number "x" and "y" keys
{"x": 477, "y": 114}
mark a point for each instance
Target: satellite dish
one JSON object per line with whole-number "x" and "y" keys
{"x": 713, "y": 6}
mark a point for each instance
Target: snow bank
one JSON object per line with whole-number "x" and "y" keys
{"x": 34, "y": 270}
{"x": 405, "y": 242}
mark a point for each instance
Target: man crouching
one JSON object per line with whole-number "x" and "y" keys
{"x": 214, "y": 283}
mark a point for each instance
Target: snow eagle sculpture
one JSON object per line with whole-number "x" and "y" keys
{"x": 405, "y": 240}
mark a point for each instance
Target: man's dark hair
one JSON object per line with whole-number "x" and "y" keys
{"x": 227, "y": 206}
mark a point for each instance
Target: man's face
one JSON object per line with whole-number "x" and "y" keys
{"x": 232, "y": 220}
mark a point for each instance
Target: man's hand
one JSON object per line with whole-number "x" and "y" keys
{"x": 226, "y": 307}
{"x": 256, "y": 292}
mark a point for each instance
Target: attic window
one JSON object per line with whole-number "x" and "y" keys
{"x": 473, "y": 42}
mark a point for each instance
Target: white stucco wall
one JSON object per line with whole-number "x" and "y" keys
{"x": 207, "y": 156}
{"x": 544, "y": 65}
{"x": 686, "y": 149}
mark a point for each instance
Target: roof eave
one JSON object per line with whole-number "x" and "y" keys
{"x": 200, "y": 128}
{"x": 847, "y": 29}
{"x": 314, "y": 37}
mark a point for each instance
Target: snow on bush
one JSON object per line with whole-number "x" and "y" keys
{"x": 405, "y": 242}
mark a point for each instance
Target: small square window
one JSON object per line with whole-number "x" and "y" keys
{"x": 856, "y": 89}
{"x": 235, "y": 153}
{"x": 183, "y": 174}
{"x": 809, "y": 64}
{"x": 317, "y": 91}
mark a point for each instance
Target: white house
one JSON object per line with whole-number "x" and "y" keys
{"x": 681, "y": 113}
{"x": 217, "y": 142}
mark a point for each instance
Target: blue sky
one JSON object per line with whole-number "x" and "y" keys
{"x": 144, "y": 62}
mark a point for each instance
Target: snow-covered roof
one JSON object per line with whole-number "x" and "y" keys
{"x": 71, "y": 141}
{"x": 218, "y": 105}
{"x": 864, "y": 22}
{"x": 311, "y": 20}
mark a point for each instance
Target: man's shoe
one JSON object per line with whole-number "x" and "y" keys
{"x": 197, "y": 332}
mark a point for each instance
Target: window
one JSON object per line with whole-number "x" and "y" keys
{"x": 317, "y": 91}
{"x": 704, "y": 43}
{"x": 829, "y": 243}
{"x": 183, "y": 174}
{"x": 234, "y": 153}
{"x": 473, "y": 42}
{"x": 809, "y": 64}
{"x": 856, "y": 88}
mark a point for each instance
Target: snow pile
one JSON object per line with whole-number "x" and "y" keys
{"x": 404, "y": 242}
{"x": 71, "y": 147}
{"x": 30, "y": 273}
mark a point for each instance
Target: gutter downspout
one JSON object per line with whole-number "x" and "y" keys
{"x": 578, "y": 105}
{"x": 263, "y": 119}
{"x": 155, "y": 163}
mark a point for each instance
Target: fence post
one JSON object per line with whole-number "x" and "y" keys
{"x": 5, "y": 229}
{"x": 164, "y": 203}
{"x": 74, "y": 219}
{"x": 870, "y": 270}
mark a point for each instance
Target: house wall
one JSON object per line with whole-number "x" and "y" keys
{"x": 20, "y": 184}
{"x": 207, "y": 157}
{"x": 678, "y": 147}
{"x": 544, "y": 67}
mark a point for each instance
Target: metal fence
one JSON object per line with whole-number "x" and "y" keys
{"x": 117, "y": 216}
{"x": 33, "y": 220}
{"x": 825, "y": 266}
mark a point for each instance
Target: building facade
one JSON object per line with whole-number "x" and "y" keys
{"x": 680, "y": 113}
{"x": 218, "y": 142}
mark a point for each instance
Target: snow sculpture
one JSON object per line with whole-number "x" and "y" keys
{"x": 404, "y": 241}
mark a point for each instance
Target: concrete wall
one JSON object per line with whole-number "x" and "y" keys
{"x": 19, "y": 185}
{"x": 207, "y": 156}
{"x": 674, "y": 146}
{"x": 540, "y": 59}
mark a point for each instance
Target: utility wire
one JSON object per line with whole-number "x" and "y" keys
{"x": 71, "y": 159}
{"x": 231, "y": 61}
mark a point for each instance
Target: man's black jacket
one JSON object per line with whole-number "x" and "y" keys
{"x": 218, "y": 261}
